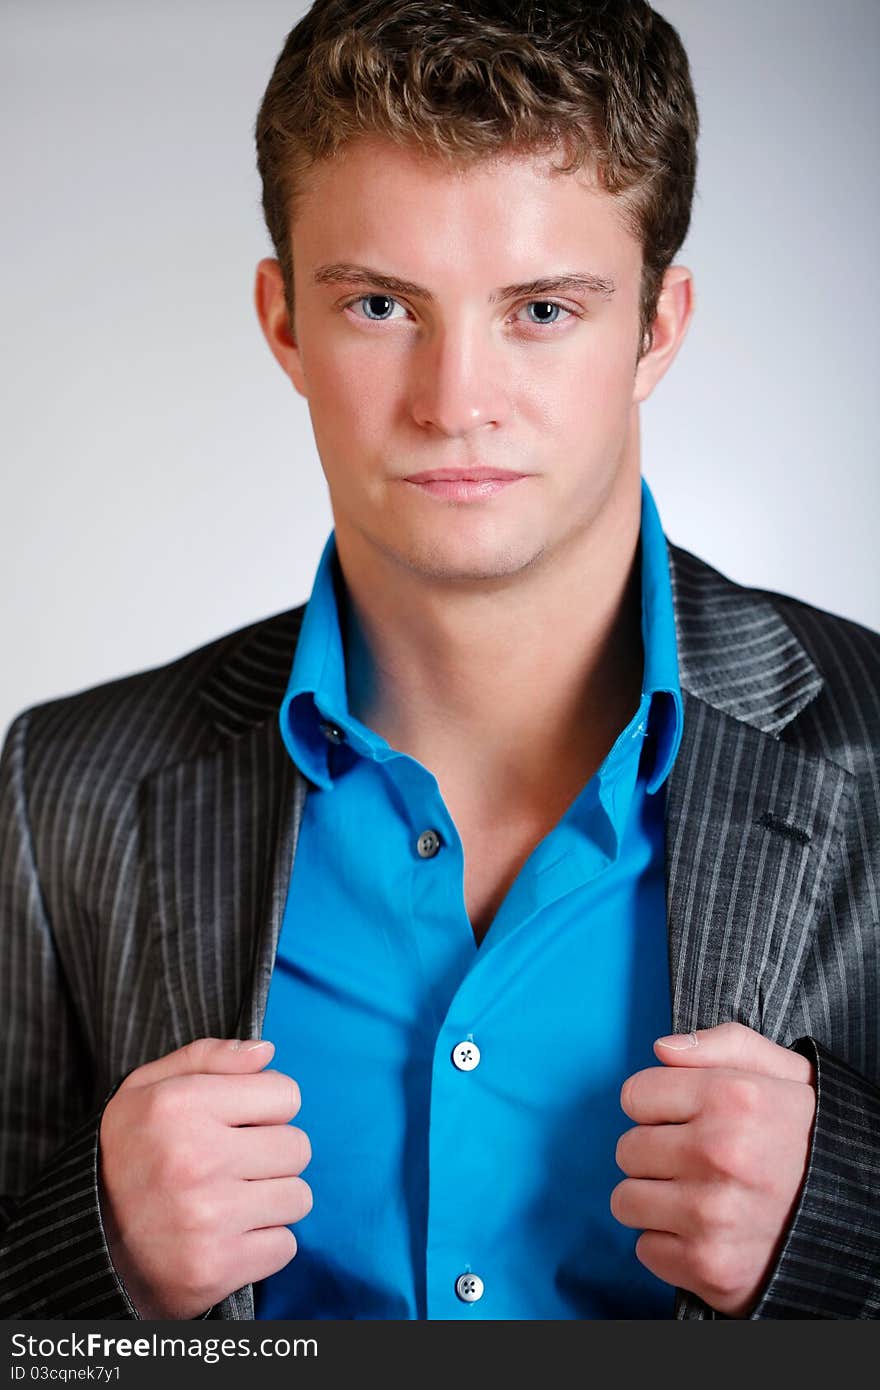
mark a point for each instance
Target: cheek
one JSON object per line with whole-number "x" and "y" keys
{"x": 335, "y": 374}
{"x": 590, "y": 369}
{"x": 588, "y": 394}
{"x": 350, "y": 401}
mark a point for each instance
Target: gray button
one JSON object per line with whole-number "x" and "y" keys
{"x": 428, "y": 844}
{"x": 466, "y": 1056}
{"x": 469, "y": 1287}
{"x": 332, "y": 732}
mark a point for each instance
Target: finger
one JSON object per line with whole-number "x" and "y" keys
{"x": 734, "y": 1045}
{"x": 266, "y": 1098}
{"x": 654, "y": 1151}
{"x": 650, "y": 1204}
{"x": 666, "y": 1256}
{"x": 232, "y": 1055}
{"x": 662, "y": 1095}
{"x": 268, "y": 1151}
{"x": 273, "y": 1202}
{"x": 261, "y": 1253}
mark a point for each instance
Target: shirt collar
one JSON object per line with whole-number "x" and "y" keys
{"x": 315, "y": 704}
{"x": 315, "y": 716}
{"x": 660, "y": 679}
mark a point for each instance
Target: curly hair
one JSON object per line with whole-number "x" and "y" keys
{"x": 608, "y": 81}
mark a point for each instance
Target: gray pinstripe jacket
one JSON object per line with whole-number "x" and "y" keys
{"x": 147, "y": 829}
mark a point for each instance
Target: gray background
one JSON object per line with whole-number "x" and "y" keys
{"x": 160, "y": 481}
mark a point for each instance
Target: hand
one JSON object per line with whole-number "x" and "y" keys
{"x": 196, "y": 1175}
{"x": 716, "y": 1160}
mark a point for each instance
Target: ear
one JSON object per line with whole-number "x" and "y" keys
{"x": 675, "y": 307}
{"x": 275, "y": 322}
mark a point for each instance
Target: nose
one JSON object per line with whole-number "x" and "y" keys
{"x": 458, "y": 382}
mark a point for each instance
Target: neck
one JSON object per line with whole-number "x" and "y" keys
{"x": 498, "y": 683}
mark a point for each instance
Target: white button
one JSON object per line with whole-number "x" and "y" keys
{"x": 332, "y": 732}
{"x": 428, "y": 844}
{"x": 466, "y": 1056}
{"x": 469, "y": 1287}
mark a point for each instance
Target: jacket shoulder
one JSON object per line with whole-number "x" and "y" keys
{"x": 136, "y": 723}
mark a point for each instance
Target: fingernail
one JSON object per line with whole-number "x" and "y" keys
{"x": 248, "y": 1045}
{"x": 678, "y": 1041}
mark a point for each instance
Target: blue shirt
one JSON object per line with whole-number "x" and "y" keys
{"x": 463, "y": 1100}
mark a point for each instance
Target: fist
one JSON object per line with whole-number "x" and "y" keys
{"x": 716, "y": 1160}
{"x": 199, "y": 1175}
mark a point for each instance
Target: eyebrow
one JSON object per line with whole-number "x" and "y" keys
{"x": 343, "y": 272}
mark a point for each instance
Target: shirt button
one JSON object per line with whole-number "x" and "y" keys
{"x": 332, "y": 732}
{"x": 466, "y": 1056}
{"x": 428, "y": 844}
{"x": 469, "y": 1287}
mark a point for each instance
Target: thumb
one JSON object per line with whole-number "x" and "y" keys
{"x": 733, "y": 1045}
{"x": 205, "y": 1055}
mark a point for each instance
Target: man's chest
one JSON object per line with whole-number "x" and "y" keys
{"x": 491, "y": 863}
{"x": 496, "y": 841}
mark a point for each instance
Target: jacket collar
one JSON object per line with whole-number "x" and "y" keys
{"x": 735, "y": 650}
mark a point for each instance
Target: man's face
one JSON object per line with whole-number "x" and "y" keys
{"x": 457, "y": 369}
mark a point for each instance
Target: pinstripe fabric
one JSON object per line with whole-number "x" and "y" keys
{"x": 147, "y": 830}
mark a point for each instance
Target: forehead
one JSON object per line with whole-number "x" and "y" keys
{"x": 376, "y": 195}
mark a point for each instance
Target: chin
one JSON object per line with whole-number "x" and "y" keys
{"x": 453, "y": 561}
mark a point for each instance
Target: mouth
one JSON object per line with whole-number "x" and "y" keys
{"x": 464, "y": 484}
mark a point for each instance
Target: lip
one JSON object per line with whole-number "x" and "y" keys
{"x": 464, "y": 475}
{"x": 464, "y": 484}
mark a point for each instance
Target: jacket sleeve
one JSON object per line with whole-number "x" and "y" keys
{"x": 829, "y": 1262}
{"x": 54, "y": 1260}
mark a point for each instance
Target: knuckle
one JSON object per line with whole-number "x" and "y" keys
{"x": 305, "y": 1199}
{"x": 198, "y": 1267}
{"x": 644, "y": 1249}
{"x": 287, "y": 1091}
{"x": 743, "y": 1094}
{"x": 201, "y": 1213}
{"x": 616, "y": 1201}
{"x": 627, "y": 1094}
{"x": 713, "y": 1269}
{"x": 728, "y": 1152}
{"x": 294, "y": 1099}
{"x": 281, "y": 1246}
{"x": 288, "y": 1244}
{"x": 622, "y": 1150}
{"x": 289, "y": 1099}
{"x": 163, "y": 1101}
{"x": 199, "y": 1051}
{"x": 705, "y": 1265}
{"x": 734, "y": 1029}
{"x": 127, "y": 1084}
{"x": 302, "y": 1149}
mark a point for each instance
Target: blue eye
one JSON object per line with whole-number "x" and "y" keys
{"x": 556, "y": 309}
{"x": 385, "y": 303}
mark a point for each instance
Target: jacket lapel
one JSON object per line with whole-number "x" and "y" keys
{"x": 752, "y": 822}
{"x": 220, "y": 830}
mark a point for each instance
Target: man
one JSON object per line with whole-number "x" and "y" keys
{"x": 521, "y": 789}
